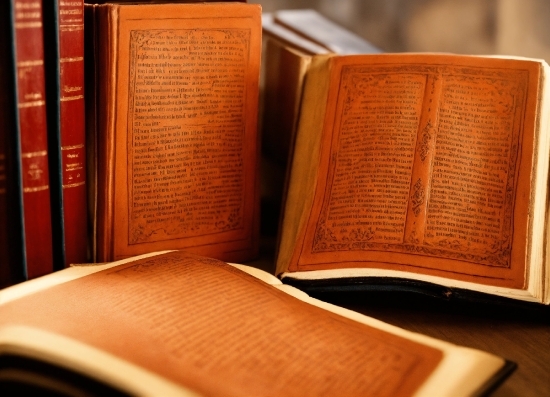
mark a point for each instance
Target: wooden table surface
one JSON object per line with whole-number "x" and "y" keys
{"x": 522, "y": 336}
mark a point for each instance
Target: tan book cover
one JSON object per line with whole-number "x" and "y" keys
{"x": 178, "y": 324}
{"x": 173, "y": 128}
{"x": 423, "y": 166}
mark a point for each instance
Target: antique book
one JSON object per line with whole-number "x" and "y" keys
{"x": 26, "y": 212}
{"x": 173, "y": 128}
{"x": 173, "y": 323}
{"x": 284, "y": 71}
{"x": 421, "y": 167}
{"x": 64, "y": 50}
{"x": 312, "y": 26}
{"x": 292, "y": 37}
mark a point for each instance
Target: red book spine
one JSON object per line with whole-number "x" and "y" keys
{"x": 29, "y": 54}
{"x": 72, "y": 129}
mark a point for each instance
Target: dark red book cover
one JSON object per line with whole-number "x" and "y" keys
{"x": 29, "y": 56}
{"x": 64, "y": 60}
{"x": 71, "y": 50}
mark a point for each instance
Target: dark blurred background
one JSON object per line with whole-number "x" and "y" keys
{"x": 504, "y": 27}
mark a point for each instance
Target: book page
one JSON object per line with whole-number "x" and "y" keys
{"x": 208, "y": 326}
{"x": 186, "y": 151}
{"x": 429, "y": 164}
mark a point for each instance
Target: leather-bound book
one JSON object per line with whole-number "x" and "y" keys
{"x": 24, "y": 134}
{"x": 421, "y": 170}
{"x": 64, "y": 50}
{"x": 173, "y": 134}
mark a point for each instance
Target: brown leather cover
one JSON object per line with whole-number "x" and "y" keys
{"x": 71, "y": 51}
{"x": 176, "y": 134}
{"x": 33, "y": 137}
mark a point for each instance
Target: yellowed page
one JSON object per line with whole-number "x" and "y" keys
{"x": 70, "y": 353}
{"x": 179, "y": 147}
{"x": 428, "y": 165}
{"x": 303, "y": 166}
{"x": 218, "y": 331}
{"x": 460, "y": 372}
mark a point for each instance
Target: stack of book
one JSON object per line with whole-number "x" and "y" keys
{"x": 416, "y": 171}
{"x": 43, "y": 193}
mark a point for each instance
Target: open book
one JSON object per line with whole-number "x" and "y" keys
{"x": 173, "y": 323}
{"x": 422, "y": 167}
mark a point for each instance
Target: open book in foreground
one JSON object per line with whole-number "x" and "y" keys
{"x": 174, "y": 323}
{"x": 423, "y": 167}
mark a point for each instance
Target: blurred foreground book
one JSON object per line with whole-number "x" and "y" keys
{"x": 172, "y": 323}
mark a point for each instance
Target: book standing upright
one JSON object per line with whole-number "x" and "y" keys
{"x": 64, "y": 43}
{"x": 293, "y": 37}
{"x": 173, "y": 135}
{"x": 11, "y": 230}
{"x": 24, "y": 134}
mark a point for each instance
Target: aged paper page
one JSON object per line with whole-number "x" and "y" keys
{"x": 429, "y": 163}
{"x": 185, "y": 160}
{"x": 218, "y": 331}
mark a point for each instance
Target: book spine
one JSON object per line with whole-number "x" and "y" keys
{"x": 72, "y": 131}
{"x": 90, "y": 123}
{"x": 64, "y": 58}
{"x": 33, "y": 145}
{"x": 106, "y": 43}
{"x": 99, "y": 29}
{"x": 5, "y": 263}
